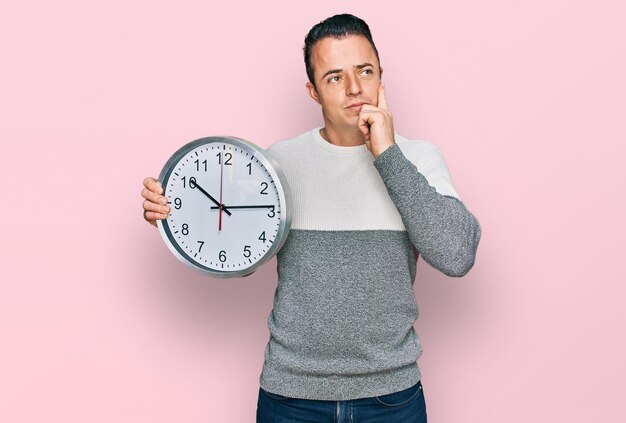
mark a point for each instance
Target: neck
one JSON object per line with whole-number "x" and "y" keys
{"x": 343, "y": 137}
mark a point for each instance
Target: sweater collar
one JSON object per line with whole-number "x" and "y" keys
{"x": 357, "y": 150}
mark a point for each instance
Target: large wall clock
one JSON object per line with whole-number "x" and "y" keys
{"x": 230, "y": 206}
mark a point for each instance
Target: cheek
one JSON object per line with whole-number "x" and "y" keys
{"x": 332, "y": 98}
{"x": 333, "y": 103}
{"x": 372, "y": 90}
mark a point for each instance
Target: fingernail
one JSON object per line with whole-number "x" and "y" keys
{"x": 163, "y": 200}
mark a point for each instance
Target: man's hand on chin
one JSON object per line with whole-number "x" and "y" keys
{"x": 376, "y": 124}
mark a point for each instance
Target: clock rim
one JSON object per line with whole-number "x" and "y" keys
{"x": 283, "y": 191}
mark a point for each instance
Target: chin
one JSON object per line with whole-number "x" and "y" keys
{"x": 352, "y": 125}
{"x": 355, "y": 123}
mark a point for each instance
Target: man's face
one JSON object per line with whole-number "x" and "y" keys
{"x": 346, "y": 72}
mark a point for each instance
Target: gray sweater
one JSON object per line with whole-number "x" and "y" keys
{"x": 341, "y": 326}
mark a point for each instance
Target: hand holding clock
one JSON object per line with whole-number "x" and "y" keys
{"x": 155, "y": 204}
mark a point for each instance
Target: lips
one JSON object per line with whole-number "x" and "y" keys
{"x": 356, "y": 104}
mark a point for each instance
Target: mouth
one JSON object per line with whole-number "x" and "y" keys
{"x": 355, "y": 105}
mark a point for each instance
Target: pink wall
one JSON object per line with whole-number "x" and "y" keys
{"x": 101, "y": 323}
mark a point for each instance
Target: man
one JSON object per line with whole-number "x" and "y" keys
{"x": 367, "y": 201}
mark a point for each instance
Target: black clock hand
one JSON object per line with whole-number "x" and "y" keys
{"x": 212, "y": 199}
{"x": 244, "y": 207}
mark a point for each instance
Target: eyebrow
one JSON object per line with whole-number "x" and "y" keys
{"x": 361, "y": 66}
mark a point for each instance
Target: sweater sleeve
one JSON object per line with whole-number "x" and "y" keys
{"x": 439, "y": 225}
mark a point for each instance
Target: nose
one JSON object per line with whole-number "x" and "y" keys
{"x": 353, "y": 87}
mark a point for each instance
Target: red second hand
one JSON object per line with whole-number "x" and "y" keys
{"x": 221, "y": 177}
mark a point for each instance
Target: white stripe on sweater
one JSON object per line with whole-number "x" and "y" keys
{"x": 338, "y": 188}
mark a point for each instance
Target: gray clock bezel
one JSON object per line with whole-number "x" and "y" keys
{"x": 283, "y": 193}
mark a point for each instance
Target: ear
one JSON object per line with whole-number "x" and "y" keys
{"x": 381, "y": 73}
{"x": 312, "y": 92}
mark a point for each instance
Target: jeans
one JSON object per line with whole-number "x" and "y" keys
{"x": 407, "y": 406}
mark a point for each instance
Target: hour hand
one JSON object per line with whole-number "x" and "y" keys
{"x": 196, "y": 185}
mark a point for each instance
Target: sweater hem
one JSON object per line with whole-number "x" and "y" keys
{"x": 338, "y": 387}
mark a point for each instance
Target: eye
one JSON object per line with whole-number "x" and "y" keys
{"x": 332, "y": 77}
{"x": 368, "y": 70}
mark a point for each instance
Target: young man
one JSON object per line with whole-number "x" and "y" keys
{"x": 367, "y": 201}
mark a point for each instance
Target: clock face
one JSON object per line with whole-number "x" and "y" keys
{"x": 227, "y": 206}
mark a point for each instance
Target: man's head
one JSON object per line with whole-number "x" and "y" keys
{"x": 338, "y": 26}
{"x": 343, "y": 68}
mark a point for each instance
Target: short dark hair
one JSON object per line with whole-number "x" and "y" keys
{"x": 338, "y": 26}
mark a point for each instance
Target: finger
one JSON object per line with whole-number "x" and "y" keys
{"x": 382, "y": 98}
{"x": 153, "y": 185}
{"x": 364, "y": 126}
{"x": 155, "y": 198}
{"x": 368, "y": 108}
{"x": 365, "y": 119}
{"x": 152, "y": 216}
{"x": 154, "y": 207}
{"x": 369, "y": 117}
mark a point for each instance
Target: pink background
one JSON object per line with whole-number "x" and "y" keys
{"x": 101, "y": 323}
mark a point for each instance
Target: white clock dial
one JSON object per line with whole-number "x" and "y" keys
{"x": 226, "y": 206}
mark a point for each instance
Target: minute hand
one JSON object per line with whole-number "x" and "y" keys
{"x": 212, "y": 199}
{"x": 245, "y": 207}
